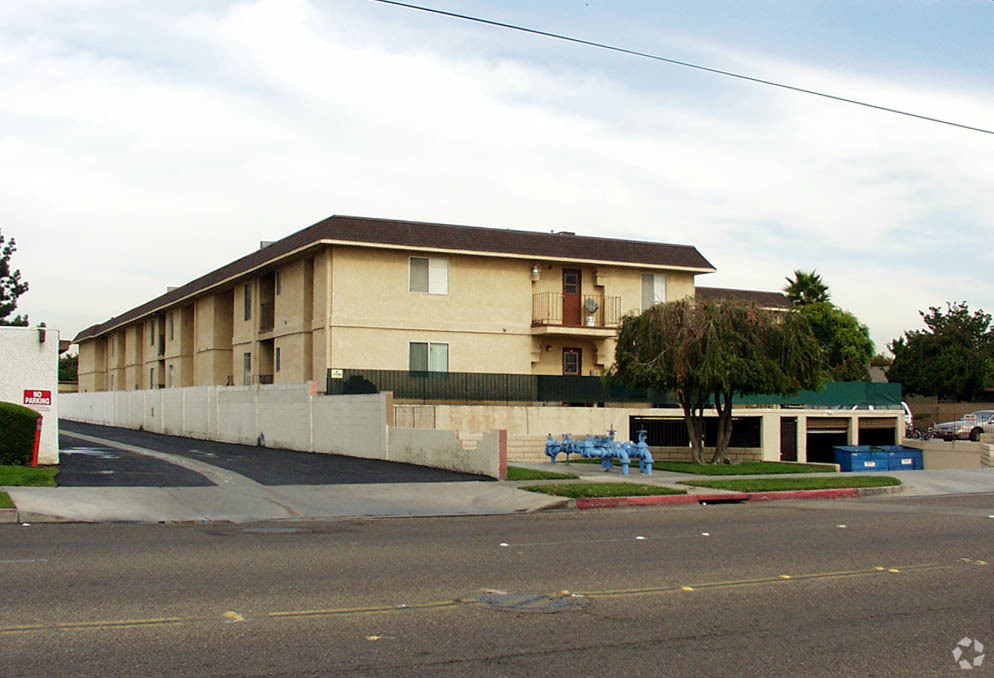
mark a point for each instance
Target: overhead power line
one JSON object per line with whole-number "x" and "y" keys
{"x": 685, "y": 64}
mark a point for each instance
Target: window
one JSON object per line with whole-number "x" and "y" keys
{"x": 653, "y": 289}
{"x": 247, "y": 369}
{"x": 279, "y": 283}
{"x": 151, "y": 377}
{"x": 151, "y": 334}
{"x": 172, "y": 317}
{"x": 572, "y": 361}
{"x": 277, "y": 359}
{"x": 429, "y": 275}
{"x": 429, "y": 357}
{"x": 113, "y": 344}
{"x": 248, "y": 301}
{"x": 170, "y": 377}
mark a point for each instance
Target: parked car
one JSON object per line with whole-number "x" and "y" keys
{"x": 968, "y": 428}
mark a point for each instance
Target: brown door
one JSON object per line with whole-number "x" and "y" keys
{"x": 571, "y": 296}
{"x": 572, "y": 362}
{"x": 788, "y": 439}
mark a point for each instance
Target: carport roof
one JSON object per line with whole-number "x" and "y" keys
{"x": 370, "y": 232}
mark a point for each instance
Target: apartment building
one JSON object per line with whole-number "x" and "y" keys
{"x": 361, "y": 293}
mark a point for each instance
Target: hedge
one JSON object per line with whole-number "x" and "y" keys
{"x": 17, "y": 434}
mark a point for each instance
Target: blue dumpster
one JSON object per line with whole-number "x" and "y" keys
{"x": 902, "y": 458}
{"x": 872, "y": 458}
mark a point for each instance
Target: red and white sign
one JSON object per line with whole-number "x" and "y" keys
{"x": 38, "y": 398}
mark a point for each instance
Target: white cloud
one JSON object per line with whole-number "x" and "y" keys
{"x": 150, "y": 163}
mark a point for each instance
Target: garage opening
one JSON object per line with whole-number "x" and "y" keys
{"x": 824, "y": 433}
{"x": 877, "y": 431}
{"x": 672, "y": 431}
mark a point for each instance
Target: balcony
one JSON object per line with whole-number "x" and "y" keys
{"x": 591, "y": 314}
{"x": 267, "y": 316}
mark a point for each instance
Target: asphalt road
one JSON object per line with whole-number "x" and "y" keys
{"x": 882, "y": 587}
{"x": 263, "y": 465}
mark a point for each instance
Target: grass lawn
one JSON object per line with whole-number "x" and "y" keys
{"x": 590, "y": 490}
{"x": 27, "y": 476}
{"x": 5, "y": 501}
{"x": 518, "y": 473}
{"x": 746, "y": 468}
{"x": 787, "y": 484}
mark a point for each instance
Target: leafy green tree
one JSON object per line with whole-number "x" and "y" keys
{"x": 806, "y": 288}
{"x": 952, "y": 358}
{"x": 11, "y": 286}
{"x": 846, "y": 342}
{"x": 68, "y": 368}
{"x": 708, "y": 351}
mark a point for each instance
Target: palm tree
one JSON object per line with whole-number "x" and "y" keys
{"x": 806, "y": 288}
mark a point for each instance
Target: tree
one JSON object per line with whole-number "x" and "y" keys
{"x": 68, "y": 368}
{"x": 709, "y": 351}
{"x": 845, "y": 341}
{"x": 952, "y": 358}
{"x": 806, "y": 288}
{"x": 11, "y": 286}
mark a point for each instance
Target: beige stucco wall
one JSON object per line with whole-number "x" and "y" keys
{"x": 351, "y": 307}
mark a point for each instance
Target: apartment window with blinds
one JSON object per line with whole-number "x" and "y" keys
{"x": 429, "y": 357}
{"x": 277, "y": 359}
{"x": 151, "y": 333}
{"x": 170, "y": 376}
{"x": 429, "y": 275}
{"x": 278, "y": 283}
{"x": 247, "y": 369}
{"x": 653, "y": 290}
{"x": 172, "y": 322}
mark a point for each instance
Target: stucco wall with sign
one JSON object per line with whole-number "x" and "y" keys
{"x": 28, "y": 364}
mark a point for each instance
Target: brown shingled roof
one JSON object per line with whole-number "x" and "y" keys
{"x": 775, "y": 300}
{"x": 412, "y": 234}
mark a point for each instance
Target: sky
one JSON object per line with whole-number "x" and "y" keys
{"x": 143, "y": 144}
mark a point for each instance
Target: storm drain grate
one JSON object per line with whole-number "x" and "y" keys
{"x": 532, "y": 602}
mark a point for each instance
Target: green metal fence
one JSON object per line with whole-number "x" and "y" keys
{"x": 480, "y": 387}
{"x": 483, "y": 387}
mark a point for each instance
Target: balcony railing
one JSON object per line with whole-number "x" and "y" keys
{"x": 267, "y": 316}
{"x": 596, "y": 310}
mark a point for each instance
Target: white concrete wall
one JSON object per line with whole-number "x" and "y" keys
{"x": 355, "y": 426}
{"x": 289, "y": 417}
{"x": 28, "y": 364}
{"x": 442, "y": 449}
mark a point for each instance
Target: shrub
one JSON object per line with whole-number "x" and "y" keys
{"x": 17, "y": 434}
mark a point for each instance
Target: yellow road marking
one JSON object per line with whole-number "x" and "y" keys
{"x": 657, "y": 590}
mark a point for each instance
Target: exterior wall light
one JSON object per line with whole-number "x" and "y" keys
{"x": 535, "y": 271}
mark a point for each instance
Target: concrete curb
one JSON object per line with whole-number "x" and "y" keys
{"x": 687, "y": 499}
{"x": 8, "y": 516}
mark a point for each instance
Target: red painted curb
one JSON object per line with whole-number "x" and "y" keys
{"x": 676, "y": 499}
{"x": 684, "y": 499}
{"x": 843, "y": 493}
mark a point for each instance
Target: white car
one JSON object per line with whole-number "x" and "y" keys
{"x": 968, "y": 428}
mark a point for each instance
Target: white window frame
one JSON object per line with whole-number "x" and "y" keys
{"x": 438, "y": 275}
{"x": 659, "y": 283}
{"x": 431, "y": 357}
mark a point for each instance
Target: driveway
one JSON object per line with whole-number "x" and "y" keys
{"x": 93, "y": 465}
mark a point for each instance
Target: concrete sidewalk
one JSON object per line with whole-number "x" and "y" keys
{"x": 237, "y": 498}
{"x": 914, "y": 483}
